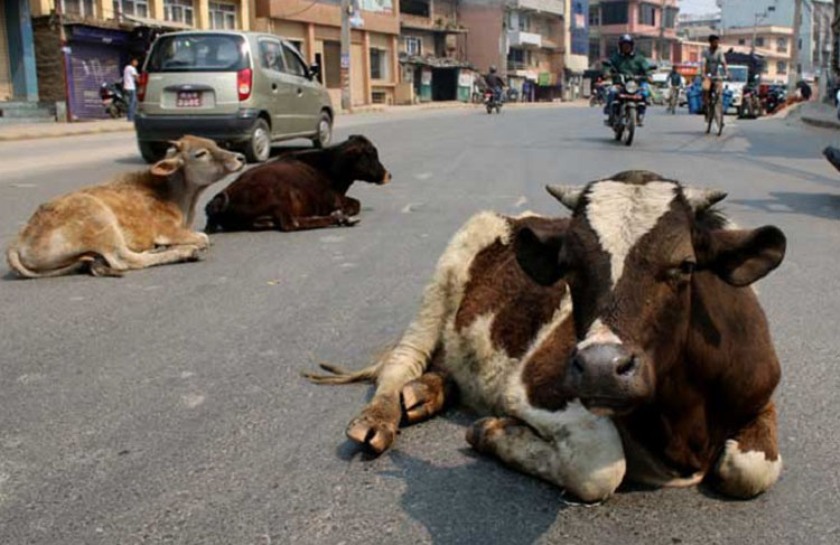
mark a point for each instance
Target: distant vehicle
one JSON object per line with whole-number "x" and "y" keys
{"x": 738, "y": 78}
{"x": 244, "y": 90}
{"x": 113, "y": 99}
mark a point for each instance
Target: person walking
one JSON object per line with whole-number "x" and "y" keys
{"x": 130, "y": 77}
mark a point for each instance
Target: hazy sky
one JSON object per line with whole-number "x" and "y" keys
{"x": 697, "y": 6}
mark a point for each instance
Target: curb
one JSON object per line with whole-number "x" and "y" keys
{"x": 24, "y": 135}
{"x": 822, "y": 123}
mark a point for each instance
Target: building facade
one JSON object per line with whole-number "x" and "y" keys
{"x": 652, "y": 23}
{"x": 18, "y": 79}
{"x": 79, "y": 44}
{"x": 315, "y": 27}
{"x": 524, "y": 38}
{"x": 773, "y": 44}
{"x": 432, "y": 47}
{"x": 814, "y": 34}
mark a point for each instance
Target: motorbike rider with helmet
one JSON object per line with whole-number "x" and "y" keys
{"x": 626, "y": 61}
{"x": 495, "y": 83}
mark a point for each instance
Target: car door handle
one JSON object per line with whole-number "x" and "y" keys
{"x": 274, "y": 87}
{"x": 300, "y": 91}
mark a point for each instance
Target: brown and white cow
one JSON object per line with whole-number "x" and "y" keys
{"x": 139, "y": 220}
{"x": 660, "y": 372}
{"x": 303, "y": 190}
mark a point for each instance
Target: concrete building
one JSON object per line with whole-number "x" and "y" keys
{"x": 774, "y": 44}
{"x": 315, "y": 27}
{"x": 814, "y": 38}
{"x": 524, "y": 38}
{"x": 18, "y": 76}
{"x": 432, "y": 53}
{"x": 79, "y": 44}
{"x": 653, "y": 24}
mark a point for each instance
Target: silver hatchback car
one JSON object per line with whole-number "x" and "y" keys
{"x": 244, "y": 90}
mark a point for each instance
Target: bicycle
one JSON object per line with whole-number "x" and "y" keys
{"x": 714, "y": 108}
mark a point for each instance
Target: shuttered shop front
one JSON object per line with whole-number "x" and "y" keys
{"x": 5, "y": 74}
{"x": 96, "y": 56}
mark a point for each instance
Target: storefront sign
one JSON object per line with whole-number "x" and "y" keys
{"x": 465, "y": 79}
{"x": 377, "y": 6}
{"x": 426, "y": 77}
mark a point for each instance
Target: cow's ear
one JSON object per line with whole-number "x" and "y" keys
{"x": 743, "y": 256}
{"x": 167, "y": 167}
{"x": 538, "y": 254}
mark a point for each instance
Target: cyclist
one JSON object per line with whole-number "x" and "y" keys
{"x": 628, "y": 62}
{"x": 714, "y": 65}
{"x": 675, "y": 82}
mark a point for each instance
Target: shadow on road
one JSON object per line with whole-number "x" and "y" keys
{"x": 462, "y": 505}
{"x": 821, "y": 205}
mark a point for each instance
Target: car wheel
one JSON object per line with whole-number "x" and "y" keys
{"x": 152, "y": 152}
{"x": 258, "y": 148}
{"x": 324, "y": 137}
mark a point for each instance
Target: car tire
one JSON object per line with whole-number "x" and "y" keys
{"x": 325, "y": 130}
{"x": 152, "y": 152}
{"x": 258, "y": 147}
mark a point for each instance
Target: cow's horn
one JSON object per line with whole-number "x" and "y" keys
{"x": 567, "y": 195}
{"x": 701, "y": 199}
{"x": 176, "y": 144}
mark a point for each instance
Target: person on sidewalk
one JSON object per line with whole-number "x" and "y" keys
{"x": 130, "y": 77}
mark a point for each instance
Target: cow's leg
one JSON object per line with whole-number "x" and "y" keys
{"x": 122, "y": 259}
{"x": 351, "y": 206}
{"x": 582, "y": 454}
{"x": 337, "y": 218}
{"x": 175, "y": 236}
{"x": 750, "y": 463}
{"x": 428, "y": 395}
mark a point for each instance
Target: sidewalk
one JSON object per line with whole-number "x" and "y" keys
{"x": 819, "y": 114}
{"x": 52, "y": 130}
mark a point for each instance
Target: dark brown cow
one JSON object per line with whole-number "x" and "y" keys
{"x": 662, "y": 371}
{"x": 304, "y": 190}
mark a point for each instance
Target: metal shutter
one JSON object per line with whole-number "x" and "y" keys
{"x": 5, "y": 75}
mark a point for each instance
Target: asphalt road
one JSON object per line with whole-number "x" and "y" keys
{"x": 167, "y": 406}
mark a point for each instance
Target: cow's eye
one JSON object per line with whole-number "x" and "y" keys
{"x": 682, "y": 271}
{"x": 201, "y": 154}
{"x": 687, "y": 267}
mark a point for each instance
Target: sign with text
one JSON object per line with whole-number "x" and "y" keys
{"x": 377, "y": 6}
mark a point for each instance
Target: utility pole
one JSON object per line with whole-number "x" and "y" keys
{"x": 835, "y": 46}
{"x": 662, "y": 43}
{"x": 794, "y": 74}
{"x": 346, "y": 8}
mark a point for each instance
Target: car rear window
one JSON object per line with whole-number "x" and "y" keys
{"x": 198, "y": 53}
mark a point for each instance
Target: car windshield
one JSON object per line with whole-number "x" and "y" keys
{"x": 198, "y": 53}
{"x": 738, "y": 74}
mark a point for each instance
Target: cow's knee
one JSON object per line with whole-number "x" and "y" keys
{"x": 743, "y": 473}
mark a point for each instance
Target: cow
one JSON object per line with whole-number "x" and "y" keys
{"x": 303, "y": 190}
{"x": 622, "y": 343}
{"x": 138, "y": 220}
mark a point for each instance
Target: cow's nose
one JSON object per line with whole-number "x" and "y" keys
{"x": 605, "y": 359}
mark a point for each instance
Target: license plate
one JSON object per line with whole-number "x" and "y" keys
{"x": 188, "y": 99}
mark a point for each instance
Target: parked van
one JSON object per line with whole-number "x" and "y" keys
{"x": 244, "y": 90}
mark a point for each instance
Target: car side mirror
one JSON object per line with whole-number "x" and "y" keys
{"x": 314, "y": 71}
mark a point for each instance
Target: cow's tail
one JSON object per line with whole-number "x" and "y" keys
{"x": 13, "y": 258}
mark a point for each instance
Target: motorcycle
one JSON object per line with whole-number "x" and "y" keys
{"x": 598, "y": 96}
{"x": 491, "y": 102}
{"x": 750, "y": 107}
{"x": 113, "y": 99}
{"x": 628, "y": 107}
{"x": 776, "y": 96}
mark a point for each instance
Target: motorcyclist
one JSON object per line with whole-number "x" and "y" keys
{"x": 714, "y": 65}
{"x": 495, "y": 83}
{"x": 626, "y": 61}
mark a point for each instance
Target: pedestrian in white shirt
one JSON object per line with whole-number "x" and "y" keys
{"x": 130, "y": 86}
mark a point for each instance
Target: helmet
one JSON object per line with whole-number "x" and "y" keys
{"x": 492, "y": 69}
{"x": 625, "y": 39}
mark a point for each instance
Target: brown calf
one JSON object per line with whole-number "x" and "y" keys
{"x": 305, "y": 190}
{"x": 662, "y": 369}
{"x": 139, "y": 220}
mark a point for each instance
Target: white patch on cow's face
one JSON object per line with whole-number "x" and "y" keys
{"x": 598, "y": 334}
{"x": 746, "y": 474}
{"x": 621, "y": 214}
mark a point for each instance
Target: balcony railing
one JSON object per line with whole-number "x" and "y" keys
{"x": 520, "y": 38}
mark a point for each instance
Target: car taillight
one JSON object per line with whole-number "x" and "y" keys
{"x": 141, "y": 86}
{"x": 243, "y": 83}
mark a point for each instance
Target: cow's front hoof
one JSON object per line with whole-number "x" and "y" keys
{"x": 423, "y": 398}
{"x": 351, "y": 221}
{"x": 376, "y": 428}
{"x": 482, "y": 434}
{"x": 194, "y": 253}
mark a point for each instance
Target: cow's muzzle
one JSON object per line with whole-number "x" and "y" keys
{"x": 610, "y": 378}
{"x": 386, "y": 178}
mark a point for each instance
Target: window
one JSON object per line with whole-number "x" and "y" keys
{"x": 179, "y": 11}
{"x": 378, "y": 64}
{"x": 222, "y": 16}
{"x": 594, "y": 16}
{"x": 413, "y": 46}
{"x": 519, "y": 59}
{"x": 271, "y": 56}
{"x": 742, "y": 41}
{"x": 647, "y": 14}
{"x": 614, "y": 13}
{"x": 82, "y": 8}
{"x": 671, "y": 16}
{"x": 137, "y": 8}
{"x": 294, "y": 64}
{"x": 759, "y": 41}
{"x": 415, "y": 7}
{"x": 781, "y": 68}
{"x": 781, "y": 45}
{"x": 197, "y": 53}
